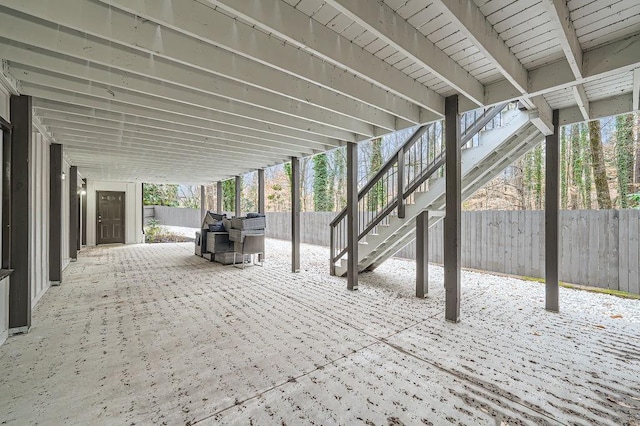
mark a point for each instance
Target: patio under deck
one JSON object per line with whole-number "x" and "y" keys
{"x": 153, "y": 334}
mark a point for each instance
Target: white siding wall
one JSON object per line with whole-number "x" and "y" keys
{"x": 133, "y": 209}
{"x": 39, "y": 216}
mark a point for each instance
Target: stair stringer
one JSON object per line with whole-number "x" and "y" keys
{"x": 498, "y": 148}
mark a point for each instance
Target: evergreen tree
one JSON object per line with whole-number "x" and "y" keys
{"x": 322, "y": 201}
{"x": 624, "y": 157}
{"x": 340, "y": 156}
{"x": 229, "y": 195}
{"x": 287, "y": 170}
{"x": 376, "y": 195}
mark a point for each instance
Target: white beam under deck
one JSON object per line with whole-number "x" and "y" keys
{"x": 275, "y": 16}
{"x": 88, "y": 106}
{"x": 260, "y": 81}
{"x": 118, "y": 86}
{"x": 157, "y": 40}
{"x": 561, "y": 19}
{"x": 218, "y": 146}
{"x": 615, "y": 58}
{"x": 468, "y": 17}
{"x": 192, "y": 139}
{"x": 156, "y": 127}
{"x": 43, "y": 78}
{"x": 388, "y": 26}
{"x": 474, "y": 25}
{"x": 608, "y": 107}
{"x": 25, "y": 34}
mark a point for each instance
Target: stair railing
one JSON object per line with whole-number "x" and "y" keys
{"x": 406, "y": 172}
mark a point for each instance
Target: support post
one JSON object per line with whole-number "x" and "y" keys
{"x": 73, "y": 213}
{"x": 452, "y": 227}
{"x": 400, "y": 189}
{"x": 79, "y": 222}
{"x": 144, "y": 238}
{"x": 55, "y": 214}
{"x": 6, "y": 194}
{"x": 203, "y": 201}
{"x": 551, "y": 213}
{"x": 20, "y": 288}
{"x": 84, "y": 213}
{"x": 238, "y": 188}
{"x": 261, "y": 204}
{"x": 219, "y": 197}
{"x": 295, "y": 214}
{"x": 422, "y": 254}
{"x": 352, "y": 216}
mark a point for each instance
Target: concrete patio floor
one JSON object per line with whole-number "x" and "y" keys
{"x": 151, "y": 334}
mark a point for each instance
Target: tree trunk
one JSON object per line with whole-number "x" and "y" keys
{"x": 599, "y": 171}
{"x": 576, "y": 167}
{"x": 586, "y": 166}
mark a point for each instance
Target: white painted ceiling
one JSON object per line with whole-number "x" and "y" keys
{"x": 191, "y": 91}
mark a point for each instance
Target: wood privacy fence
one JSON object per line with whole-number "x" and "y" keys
{"x": 598, "y": 248}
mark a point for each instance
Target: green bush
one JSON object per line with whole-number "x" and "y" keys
{"x": 155, "y": 233}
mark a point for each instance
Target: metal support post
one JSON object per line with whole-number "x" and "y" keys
{"x": 452, "y": 234}
{"x": 422, "y": 254}
{"x": 295, "y": 214}
{"x": 352, "y": 216}
{"x": 551, "y": 223}
{"x": 20, "y": 289}
{"x": 84, "y": 213}
{"x": 238, "y": 189}
{"x": 73, "y": 213}
{"x": 261, "y": 205}
{"x": 55, "y": 214}
{"x": 203, "y": 202}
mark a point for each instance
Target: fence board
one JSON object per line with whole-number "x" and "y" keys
{"x": 634, "y": 254}
{"x": 624, "y": 223}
